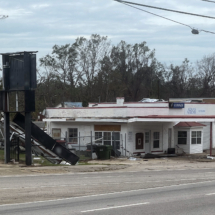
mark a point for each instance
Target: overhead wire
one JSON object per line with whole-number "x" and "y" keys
{"x": 156, "y": 14}
{"x": 209, "y": 1}
{"x": 193, "y": 29}
{"x": 170, "y": 10}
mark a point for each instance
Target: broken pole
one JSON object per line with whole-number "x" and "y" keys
{"x": 6, "y": 137}
{"x": 211, "y": 139}
{"x": 28, "y": 153}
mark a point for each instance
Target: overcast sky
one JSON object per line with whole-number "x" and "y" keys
{"x": 39, "y": 25}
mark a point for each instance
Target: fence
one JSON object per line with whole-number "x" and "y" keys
{"x": 14, "y": 149}
{"x": 85, "y": 146}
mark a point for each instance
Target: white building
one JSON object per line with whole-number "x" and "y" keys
{"x": 138, "y": 127}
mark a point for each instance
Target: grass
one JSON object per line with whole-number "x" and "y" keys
{"x": 44, "y": 162}
{"x": 21, "y": 156}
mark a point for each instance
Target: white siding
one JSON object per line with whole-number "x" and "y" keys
{"x": 132, "y": 110}
{"x": 206, "y": 135}
{"x": 213, "y": 132}
{"x": 196, "y": 148}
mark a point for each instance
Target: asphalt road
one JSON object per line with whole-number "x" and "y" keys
{"x": 147, "y": 192}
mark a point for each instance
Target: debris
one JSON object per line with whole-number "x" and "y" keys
{"x": 37, "y": 158}
{"x": 132, "y": 159}
{"x": 149, "y": 155}
{"x": 65, "y": 163}
{"x": 94, "y": 156}
{"x": 210, "y": 157}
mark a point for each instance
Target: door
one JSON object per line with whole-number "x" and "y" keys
{"x": 147, "y": 142}
{"x": 139, "y": 140}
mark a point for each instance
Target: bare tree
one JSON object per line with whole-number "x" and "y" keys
{"x": 90, "y": 54}
{"x": 206, "y": 68}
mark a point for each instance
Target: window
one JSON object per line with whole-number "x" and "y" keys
{"x": 108, "y": 138}
{"x": 196, "y": 137}
{"x": 98, "y": 137}
{"x": 146, "y": 137}
{"x": 73, "y": 135}
{"x": 116, "y": 140}
{"x": 182, "y": 137}
{"x": 56, "y": 133}
{"x": 156, "y": 140}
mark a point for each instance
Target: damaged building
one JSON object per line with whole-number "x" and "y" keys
{"x": 137, "y": 127}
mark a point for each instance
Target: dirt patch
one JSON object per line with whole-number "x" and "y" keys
{"x": 164, "y": 163}
{"x": 119, "y": 164}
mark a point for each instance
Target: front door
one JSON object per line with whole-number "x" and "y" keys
{"x": 139, "y": 140}
{"x": 147, "y": 142}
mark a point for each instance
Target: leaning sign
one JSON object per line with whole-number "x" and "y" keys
{"x": 176, "y": 105}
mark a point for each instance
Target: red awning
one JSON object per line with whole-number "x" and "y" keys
{"x": 189, "y": 124}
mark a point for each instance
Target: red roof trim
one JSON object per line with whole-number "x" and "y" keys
{"x": 104, "y": 107}
{"x": 176, "y": 116}
{"x": 199, "y": 103}
{"x": 189, "y": 124}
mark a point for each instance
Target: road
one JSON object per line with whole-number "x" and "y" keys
{"x": 144, "y": 192}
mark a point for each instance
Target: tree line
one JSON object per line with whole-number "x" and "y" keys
{"x": 93, "y": 70}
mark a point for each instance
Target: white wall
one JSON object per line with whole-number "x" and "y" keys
{"x": 142, "y": 127}
{"x": 131, "y": 111}
{"x": 213, "y": 136}
{"x": 206, "y": 135}
{"x": 196, "y": 148}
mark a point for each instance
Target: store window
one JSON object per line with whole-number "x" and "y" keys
{"x": 73, "y": 135}
{"x": 108, "y": 138}
{"x": 146, "y": 137}
{"x": 182, "y": 137}
{"x": 116, "y": 140}
{"x": 156, "y": 140}
{"x": 196, "y": 137}
{"x": 98, "y": 137}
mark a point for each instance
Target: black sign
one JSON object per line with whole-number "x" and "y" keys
{"x": 176, "y": 105}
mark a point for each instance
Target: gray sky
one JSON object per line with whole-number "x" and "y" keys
{"x": 39, "y": 25}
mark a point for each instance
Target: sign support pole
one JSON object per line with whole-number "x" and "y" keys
{"x": 28, "y": 155}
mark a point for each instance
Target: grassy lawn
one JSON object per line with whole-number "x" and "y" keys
{"x": 43, "y": 162}
{"x": 21, "y": 156}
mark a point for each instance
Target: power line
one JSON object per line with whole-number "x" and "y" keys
{"x": 160, "y": 8}
{"x": 156, "y": 15}
{"x": 209, "y": 1}
{"x": 194, "y": 31}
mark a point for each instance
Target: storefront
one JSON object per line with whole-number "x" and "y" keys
{"x": 136, "y": 128}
